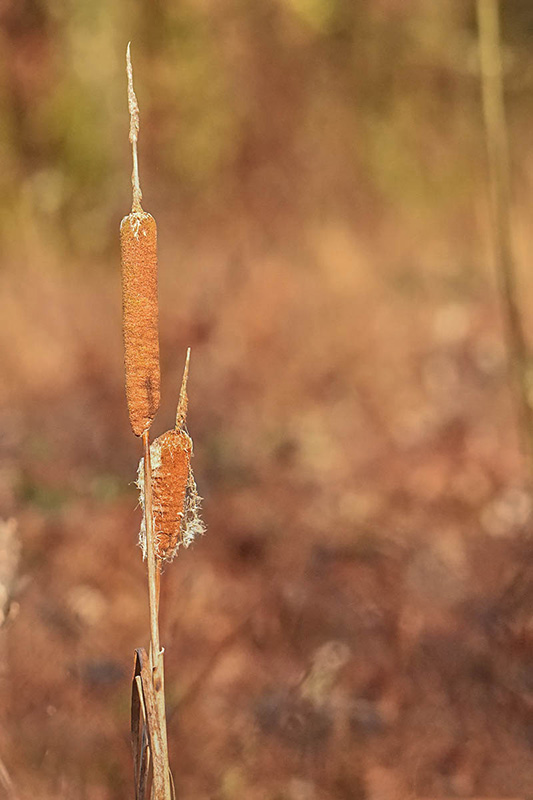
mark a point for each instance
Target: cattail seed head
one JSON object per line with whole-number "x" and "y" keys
{"x": 175, "y": 501}
{"x": 138, "y": 243}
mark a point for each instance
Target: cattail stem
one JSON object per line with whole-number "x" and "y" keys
{"x": 150, "y": 549}
{"x": 500, "y": 189}
{"x": 159, "y": 745}
{"x": 134, "y": 134}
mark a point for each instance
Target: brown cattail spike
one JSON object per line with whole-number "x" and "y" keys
{"x": 138, "y": 241}
{"x": 170, "y": 455}
{"x": 138, "y": 245}
{"x": 175, "y": 500}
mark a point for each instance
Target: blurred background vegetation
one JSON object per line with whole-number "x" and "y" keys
{"x": 299, "y": 107}
{"x": 317, "y": 170}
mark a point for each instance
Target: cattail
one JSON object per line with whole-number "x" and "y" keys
{"x": 138, "y": 241}
{"x": 175, "y": 500}
{"x": 138, "y": 244}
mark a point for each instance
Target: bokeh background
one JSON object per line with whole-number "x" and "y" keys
{"x": 357, "y": 621}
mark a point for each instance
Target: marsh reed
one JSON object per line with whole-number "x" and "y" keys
{"x": 168, "y": 494}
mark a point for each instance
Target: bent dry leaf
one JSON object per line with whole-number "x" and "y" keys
{"x": 140, "y": 736}
{"x": 145, "y": 730}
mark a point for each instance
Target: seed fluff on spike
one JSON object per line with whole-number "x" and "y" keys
{"x": 176, "y": 503}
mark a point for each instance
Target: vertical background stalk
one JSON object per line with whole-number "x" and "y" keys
{"x": 500, "y": 192}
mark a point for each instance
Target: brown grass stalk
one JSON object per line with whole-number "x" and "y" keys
{"x": 500, "y": 190}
